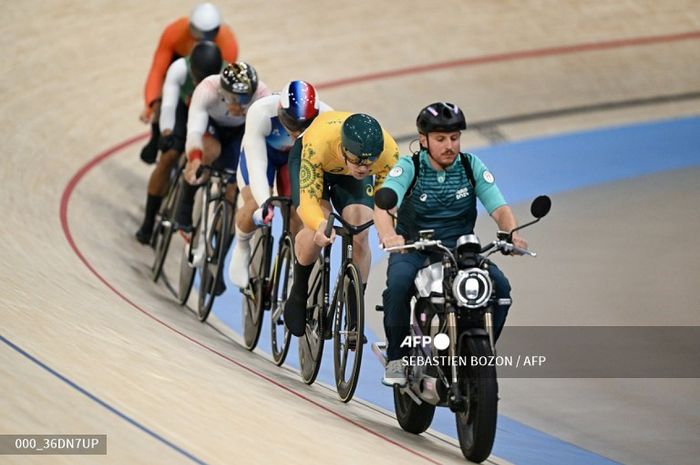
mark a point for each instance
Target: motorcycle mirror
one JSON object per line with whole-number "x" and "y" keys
{"x": 385, "y": 198}
{"x": 541, "y": 206}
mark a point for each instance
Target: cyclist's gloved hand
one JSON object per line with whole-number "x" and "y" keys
{"x": 166, "y": 142}
{"x": 261, "y": 218}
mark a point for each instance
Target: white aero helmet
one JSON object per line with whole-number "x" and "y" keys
{"x": 205, "y": 20}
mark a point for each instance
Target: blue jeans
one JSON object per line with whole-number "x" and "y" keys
{"x": 400, "y": 274}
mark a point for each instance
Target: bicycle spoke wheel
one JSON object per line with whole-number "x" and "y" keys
{"x": 311, "y": 343}
{"x": 163, "y": 232}
{"x": 187, "y": 266}
{"x": 253, "y": 295}
{"x": 348, "y": 332}
{"x": 282, "y": 279}
{"x": 215, "y": 246}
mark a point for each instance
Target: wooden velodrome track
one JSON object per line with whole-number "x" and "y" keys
{"x": 166, "y": 389}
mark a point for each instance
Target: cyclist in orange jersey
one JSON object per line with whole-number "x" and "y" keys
{"x": 177, "y": 40}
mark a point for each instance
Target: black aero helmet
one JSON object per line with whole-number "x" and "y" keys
{"x": 440, "y": 117}
{"x": 240, "y": 78}
{"x": 362, "y": 136}
{"x": 205, "y": 60}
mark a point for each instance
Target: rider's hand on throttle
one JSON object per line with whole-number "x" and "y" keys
{"x": 393, "y": 241}
{"x": 518, "y": 242}
{"x": 320, "y": 238}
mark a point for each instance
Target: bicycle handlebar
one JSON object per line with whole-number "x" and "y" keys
{"x": 352, "y": 230}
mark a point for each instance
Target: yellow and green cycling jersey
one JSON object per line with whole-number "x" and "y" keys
{"x": 322, "y": 155}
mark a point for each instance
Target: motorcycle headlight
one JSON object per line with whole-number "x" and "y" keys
{"x": 472, "y": 287}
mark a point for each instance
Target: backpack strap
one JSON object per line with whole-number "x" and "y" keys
{"x": 466, "y": 164}
{"x": 416, "y": 167}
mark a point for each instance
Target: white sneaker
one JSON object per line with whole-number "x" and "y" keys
{"x": 394, "y": 374}
{"x": 198, "y": 255}
{"x": 238, "y": 268}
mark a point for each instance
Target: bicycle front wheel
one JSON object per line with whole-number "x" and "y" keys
{"x": 282, "y": 279}
{"x": 216, "y": 240}
{"x": 311, "y": 342}
{"x": 164, "y": 230}
{"x": 253, "y": 295}
{"x": 187, "y": 266}
{"x": 348, "y": 332}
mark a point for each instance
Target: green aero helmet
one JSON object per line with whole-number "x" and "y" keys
{"x": 362, "y": 136}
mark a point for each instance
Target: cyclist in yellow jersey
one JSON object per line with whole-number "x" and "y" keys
{"x": 340, "y": 159}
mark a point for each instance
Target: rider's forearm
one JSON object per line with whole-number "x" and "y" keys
{"x": 384, "y": 223}
{"x": 504, "y": 218}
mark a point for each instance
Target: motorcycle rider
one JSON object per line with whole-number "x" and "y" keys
{"x": 437, "y": 189}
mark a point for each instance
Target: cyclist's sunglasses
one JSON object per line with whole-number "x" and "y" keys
{"x": 235, "y": 99}
{"x": 355, "y": 160}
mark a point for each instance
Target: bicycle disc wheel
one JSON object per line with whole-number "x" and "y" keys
{"x": 311, "y": 342}
{"x": 348, "y": 332}
{"x": 164, "y": 230}
{"x": 282, "y": 279}
{"x": 216, "y": 241}
{"x": 253, "y": 295}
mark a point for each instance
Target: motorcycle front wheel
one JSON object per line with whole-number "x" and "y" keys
{"x": 476, "y": 426}
{"x": 412, "y": 417}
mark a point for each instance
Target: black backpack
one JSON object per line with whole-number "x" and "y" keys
{"x": 466, "y": 164}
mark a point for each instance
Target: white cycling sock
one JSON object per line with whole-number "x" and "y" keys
{"x": 238, "y": 268}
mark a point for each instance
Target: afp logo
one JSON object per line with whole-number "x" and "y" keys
{"x": 441, "y": 341}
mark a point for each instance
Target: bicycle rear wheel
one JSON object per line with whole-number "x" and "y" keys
{"x": 282, "y": 279}
{"x": 163, "y": 232}
{"x": 348, "y": 332}
{"x": 216, "y": 240}
{"x": 253, "y": 295}
{"x": 311, "y": 343}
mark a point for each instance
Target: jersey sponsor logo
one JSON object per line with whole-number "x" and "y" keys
{"x": 463, "y": 192}
{"x": 370, "y": 190}
{"x": 423, "y": 197}
{"x": 488, "y": 177}
{"x": 396, "y": 171}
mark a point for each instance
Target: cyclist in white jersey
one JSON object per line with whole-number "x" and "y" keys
{"x": 272, "y": 125}
{"x": 215, "y": 128}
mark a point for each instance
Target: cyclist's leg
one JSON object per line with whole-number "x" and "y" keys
{"x": 284, "y": 188}
{"x": 228, "y": 158}
{"x": 211, "y": 150}
{"x": 306, "y": 252}
{"x": 352, "y": 197}
{"x": 159, "y": 180}
{"x": 245, "y": 227}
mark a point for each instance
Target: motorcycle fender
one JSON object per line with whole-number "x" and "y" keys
{"x": 470, "y": 333}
